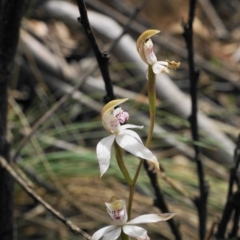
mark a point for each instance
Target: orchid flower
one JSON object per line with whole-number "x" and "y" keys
{"x": 145, "y": 50}
{"x": 116, "y": 208}
{"x": 125, "y": 138}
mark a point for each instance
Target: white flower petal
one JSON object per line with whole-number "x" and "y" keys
{"x": 148, "y": 51}
{"x": 131, "y": 133}
{"x": 136, "y": 148}
{"x": 104, "y": 152}
{"x": 159, "y": 68}
{"x": 151, "y": 218}
{"x": 113, "y": 234}
{"x": 125, "y": 126}
{"x": 98, "y": 234}
{"x": 136, "y": 232}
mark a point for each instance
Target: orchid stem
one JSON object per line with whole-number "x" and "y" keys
{"x": 122, "y": 165}
{"x": 152, "y": 102}
{"x": 132, "y": 189}
{"x": 152, "y": 106}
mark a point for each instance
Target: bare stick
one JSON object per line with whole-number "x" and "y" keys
{"x": 159, "y": 201}
{"x": 201, "y": 200}
{"x": 102, "y": 58}
{"x": 233, "y": 199}
{"x": 10, "y": 17}
{"x": 75, "y": 229}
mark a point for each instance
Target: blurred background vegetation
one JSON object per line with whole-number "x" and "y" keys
{"x": 60, "y": 161}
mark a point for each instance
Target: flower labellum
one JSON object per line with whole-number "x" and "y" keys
{"x": 129, "y": 140}
{"x": 117, "y": 210}
{"x": 145, "y": 50}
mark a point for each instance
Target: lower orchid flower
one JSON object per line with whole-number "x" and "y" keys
{"x": 125, "y": 138}
{"x": 117, "y": 210}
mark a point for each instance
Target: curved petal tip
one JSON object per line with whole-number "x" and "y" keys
{"x": 112, "y": 104}
{"x": 140, "y": 42}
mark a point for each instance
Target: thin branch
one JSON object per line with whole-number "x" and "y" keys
{"x": 235, "y": 226}
{"x": 159, "y": 202}
{"x": 232, "y": 198}
{"x": 102, "y": 58}
{"x": 75, "y": 229}
{"x": 10, "y": 18}
{"x": 233, "y": 173}
{"x": 201, "y": 200}
{"x": 233, "y": 202}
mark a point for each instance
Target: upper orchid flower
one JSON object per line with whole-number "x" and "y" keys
{"x": 126, "y": 139}
{"x": 145, "y": 50}
{"x": 117, "y": 211}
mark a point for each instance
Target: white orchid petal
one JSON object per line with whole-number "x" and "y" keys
{"x": 98, "y": 234}
{"x": 113, "y": 234}
{"x": 131, "y": 133}
{"x": 125, "y": 126}
{"x": 151, "y": 218}
{"x": 159, "y": 68}
{"x": 104, "y": 152}
{"x": 136, "y": 232}
{"x": 148, "y": 51}
{"x": 136, "y": 148}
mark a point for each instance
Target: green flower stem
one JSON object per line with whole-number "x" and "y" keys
{"x": 122, "y": 165}
{"x": 132, "y": 189}
{"x": 152, "y": 102}
{"x": 152, "y": 106}
{"x": 124, "y": 236}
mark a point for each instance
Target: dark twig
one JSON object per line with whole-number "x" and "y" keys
{"x": 233, "y": 173}
{"x": 232, "y": 203}
{"x": 102, "y": 58}
{"x": 159, "y": 202}
{"x": 76, "y": 230}
{"x": 201, "y": 200}
{"x": 235, "y": 226}
{"x": 10, "y": 17}
{"x": 233, "y": 200}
